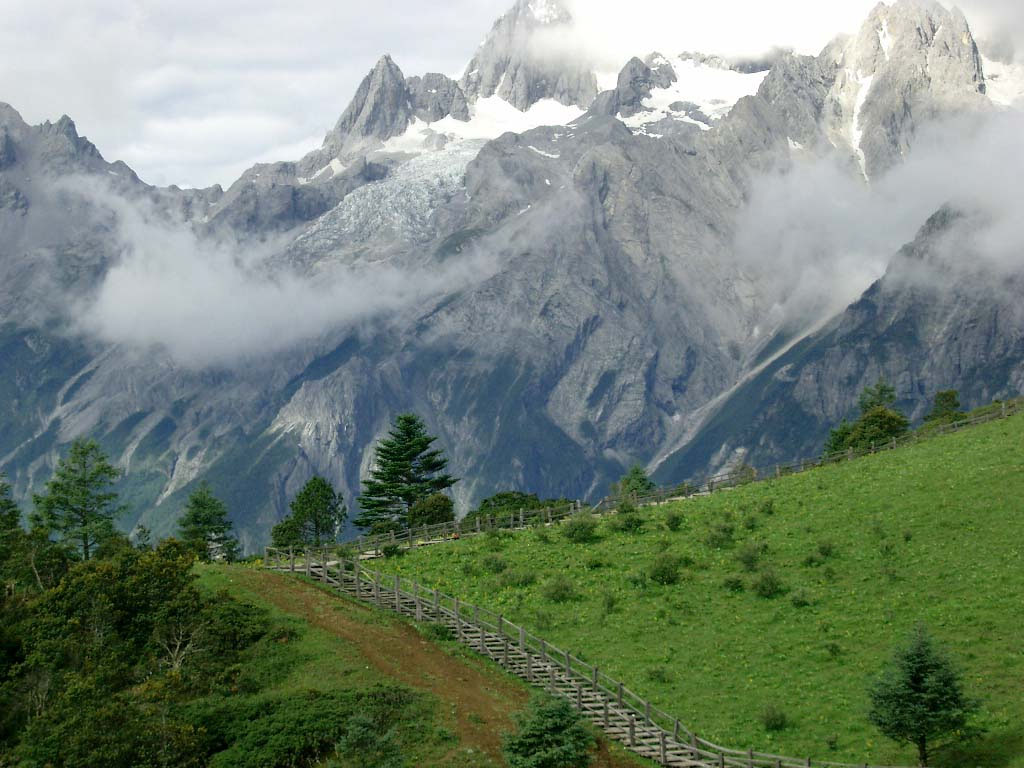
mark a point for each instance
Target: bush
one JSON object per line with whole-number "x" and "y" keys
{"x": 801, "y": 599}
{"x": 494, "y": 563}
{"x": 549, "y": 734}
{"x": 749, "y": 556}
{"x": 560, "y": 589}
{"x": 768, "y": 585}
{"x": 674, "y": 521}
{"x": 627, "y": 522}
{"x": 750, "y": 522}
{"x": 581, "y": 529}
{"x": 734, "y": 584}
{"x": 766, "y": 507}
{"x": 658, "y": 675}
{"x": 721, "y": 535}
{"x": 518, "y": 578}
{"x": 774, "y": 719}
{"x": 664, "y": 570}
{"x": 439, "y": 633}
{"x": 392, "y": 550}
{"x": 626, "y": 507}
{"x": 432, "y": 510}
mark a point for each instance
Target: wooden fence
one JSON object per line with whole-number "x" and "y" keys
{"x": 372, "y": 546}
{"x": 612, "y": 707}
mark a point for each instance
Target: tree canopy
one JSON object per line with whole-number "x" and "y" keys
{"x": 634, "y": 482}
{"x": 205, "y": 527}
{"x": 406, "y": 469}
{"x": 881, "y": 395}
{"x": 318, "y": 513}
{"x": 919, "y": 697}
{"x": 946, "y": 408}
{"x": 878, "y": 422}
{"x": 79, "y": 503}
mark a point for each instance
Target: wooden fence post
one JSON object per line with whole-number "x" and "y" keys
{"x": 594, "y": 677}
{"x": 620, "y": 694}
{"x": 606, "y": 713}
{"x": 478, "y": 525}
{"x": 529, "y": 668}
{"x": 355, "y": 575}
{"x": 647, "y": 712}
{"x": 632, "y": 731}
{"x": 568, "y": 665}
{"x": 291, "y": 554}
{"x": 323, "y": 574}
{"x": 750, "y": 758}
{"x": 416, "y": 599}
{"x": 522, "y": 639}
{"x": 376, "y": 587}
{"x": 579, "y": 698}
{"x": 551, "y": 679}
{"x": 675, "y": 732}
{"x": 437, "y": 605}
{"x": 398, "y": 594}
{"x": 458, "y": 622}
{"x": 664, "y": 748}
{"x": 309, "y": 564}
{"x": 504, "y": 651}
{"x": 266, "y": 557}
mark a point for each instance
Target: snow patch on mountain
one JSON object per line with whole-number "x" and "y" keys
{"x": 489, "y": 118}
{"x": 713, "y": 90}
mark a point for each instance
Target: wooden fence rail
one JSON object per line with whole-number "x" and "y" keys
{"x": 525, "y": 518}
{"x": 621, "y": 713}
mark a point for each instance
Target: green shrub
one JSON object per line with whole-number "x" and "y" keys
{"x": 560, "y": 589}
{"x": 774, "y": 719}
{"x": 580, "y": 529}
{"x": 517, "y": 577}
{"x": 674, "y": 521}
{"x": 766, "y": 507}
{"x": 494, "y": 563}
{"x": 627, "y": 522}
{"x": 800, "y": 599}
{"x": 626, "y": 507}
{"x": 664, "y": 570}
{"x": 750, "y": 522}
{"x": 392, "y": 550}
{"x": 594, "y": 563}
{"x": 439, "y": 633}
{"x": 658, "y": 675}
{"x": 434, "y": 509}
{"x": 749, "y": 555}
{"x": 721, "y": 535}
{"x": 609, "y": 602}
{"x": 549, "y": 734}
{"x": 734, "y": 584}
{"x": 768, "y": 585}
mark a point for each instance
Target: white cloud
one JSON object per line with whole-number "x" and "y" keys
{"x": 817, "y": 237}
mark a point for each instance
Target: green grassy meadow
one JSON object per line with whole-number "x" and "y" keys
{"x": 860, "y": 552}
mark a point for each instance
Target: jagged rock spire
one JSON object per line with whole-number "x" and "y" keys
{"x": 508, "y": 63}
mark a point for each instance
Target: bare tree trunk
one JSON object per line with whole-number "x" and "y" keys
{"x": 922, "y": 752}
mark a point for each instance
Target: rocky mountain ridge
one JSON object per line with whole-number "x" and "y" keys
{"x": 577, "y": 303}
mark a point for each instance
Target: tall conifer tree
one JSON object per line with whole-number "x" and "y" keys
{"x": 406, "y": 469}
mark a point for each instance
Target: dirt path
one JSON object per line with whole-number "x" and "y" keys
{"x": 480, "y": 701}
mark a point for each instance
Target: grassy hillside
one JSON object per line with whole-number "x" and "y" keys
{"x": 859, "y": 553}
{"x": 461, "y": 704}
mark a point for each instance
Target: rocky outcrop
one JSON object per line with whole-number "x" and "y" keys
{"x": 381, "y": 108}
{"x": 435, "y": 97}
{"x": 522, "y": 66}
{"x": 911, "y": 62}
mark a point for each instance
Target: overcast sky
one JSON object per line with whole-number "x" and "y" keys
{"x": 192, "y": 92}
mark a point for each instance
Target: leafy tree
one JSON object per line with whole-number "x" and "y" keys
{"x": 434, "y": 509}
{"x": 205, "y": 526}
{"x": 79, "y": 503}
{"x": 633, "y": 482}
{"x": 839, "y": 438}
{"x": 919, "y": 697}
{"x": 318, "y": 512}
{"x": 882, "y": 395}
{"x": 550, "y": 734}
{"x": 406, "y": 469}
{"x": 877, "y": 426}
{"x": 946, "y": 408}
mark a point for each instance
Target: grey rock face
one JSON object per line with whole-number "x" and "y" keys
{"x": 634, "y": 85}
{"x": 910, "y": 62}
{"x": 7, "y": 151}
{"x": 589, "y": 308}
{"x": 936, "y": 321}
{"x": 435, "y": 97}
{"x": 662, "y": 72}
{"x": 381, "y": 108}
{"x": 512, "y": 64}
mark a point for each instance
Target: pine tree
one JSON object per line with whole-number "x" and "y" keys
{"x": 882, "y": 395}
{"x": 634, "y": 482}
{"x": 78, "y": 503}
{"x": 406, "y": 469}
{"x": 205, "y": 526}
{"x": 318, "y": 512}
{"x": 919, "y": 698}
{"x": 946, "y": 408}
